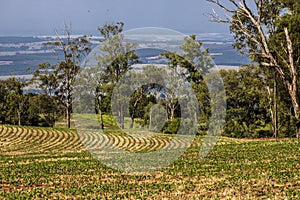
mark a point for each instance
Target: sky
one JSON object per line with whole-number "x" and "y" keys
{"x": 43, "y": 17}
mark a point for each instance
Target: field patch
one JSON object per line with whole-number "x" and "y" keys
{"x": 46, "y": 163}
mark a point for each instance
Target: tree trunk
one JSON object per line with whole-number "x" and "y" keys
{"x": 293, "y": 85}
{"x": 275, "y": 131}
{"x": 68, "y": 116}
{"x": 68, "y": 103}
{"x": 295, "y": 102}
{"x": 150, "y": 120}
{"x": 101, "y": 119}
{"x": 196, "y": 121}
{"x": 298, "y": 130}
{"x": 296, "y": 111}
{"x": 132, "y": 117}
{"x": 172, "y": 113}
{"x": 98, "y": 107}
{"x": 121, "y": 118}
{"x": 132, "y": 122}
{"x": 19, "y": 111}
{"x": 19, "y": 118}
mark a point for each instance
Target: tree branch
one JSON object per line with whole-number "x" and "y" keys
{"x": 291, "y": 52}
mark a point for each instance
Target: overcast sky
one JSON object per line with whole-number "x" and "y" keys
{"x": 42, "y": 17}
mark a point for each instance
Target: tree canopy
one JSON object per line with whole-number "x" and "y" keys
{"x": 268, "y": 31}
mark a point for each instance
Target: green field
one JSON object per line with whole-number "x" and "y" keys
{"x": 46, "y": 163}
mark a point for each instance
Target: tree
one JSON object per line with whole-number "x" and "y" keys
{"x": 115, "y": 60}
{"x": 15, "y": 101}
{"x": 268, "y": 31}
{"x": 19, "y": 106}
{"x": 247, "y": 103}
{"x": 138, "y": 101}
{"x": 194, "y": 59}
{"x": 57, "y": 80}
{"x": 43, "y": 106}
{"x": 283, "y": 123}
{"x": 147, "y": 86}
{"x": 197, "y": 62}
{"x": 3, "y": 92}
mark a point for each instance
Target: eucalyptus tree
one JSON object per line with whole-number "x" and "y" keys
{"x": 247, "y": 103}
{"x": 115, "y": 60}
{"x": 15, "y": 101}
{"x": 195, "y": 63}
{"x": 58, "y": 80}
{"x": 268, "y": 31}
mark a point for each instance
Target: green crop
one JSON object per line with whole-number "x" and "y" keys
{"x": 46, "y": 163}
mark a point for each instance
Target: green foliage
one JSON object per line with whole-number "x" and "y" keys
{"x": 21, "y": 108}
{"x": 290, "y": 19}
{"x": 139, "y": 100}
{"x": 268, "y": 31}
{"x": 197, "y": 62}
{"x": 115, "y": 60}
{"x": 194, "y": 59}
{"x": 111, "y": 30}
{"x": 58, "y": 80}
{"x": 171, "y": 126}
{"x": 116, "y": 57}
{"x": 47, "y": 110}
{"x": 247, "y": 103}
{"x": 286, "y": 119}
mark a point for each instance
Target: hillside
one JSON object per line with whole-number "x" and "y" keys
{"x": 45, "y": 163}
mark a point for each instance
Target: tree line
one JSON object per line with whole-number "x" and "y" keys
{"x": 262, "y": 98}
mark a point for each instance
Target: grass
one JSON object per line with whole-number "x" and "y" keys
{"x": 47, "y": 163}
{"x": 109, "y": 120}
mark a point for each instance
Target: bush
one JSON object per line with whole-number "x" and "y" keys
{"x": 171, "y": 127}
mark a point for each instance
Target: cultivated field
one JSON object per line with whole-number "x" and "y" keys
{"x": 45, "y": 163}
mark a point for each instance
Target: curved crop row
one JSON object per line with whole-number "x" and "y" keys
{"x": 27, "y": 140}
